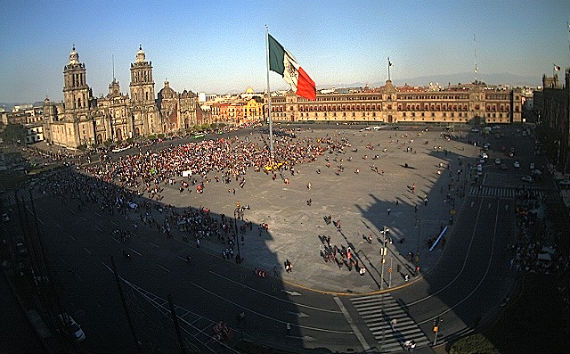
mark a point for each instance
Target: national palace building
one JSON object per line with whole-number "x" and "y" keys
{"x": 388, "y": 104}
{"x": 84, "y": 120}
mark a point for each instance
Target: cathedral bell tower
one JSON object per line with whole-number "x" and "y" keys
{"x": 75, "y": 89}
{"x": 142, "y": 86}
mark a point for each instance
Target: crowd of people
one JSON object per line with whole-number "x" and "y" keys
{"x": 196, "y": 164}
{"x": 535, "y": 249}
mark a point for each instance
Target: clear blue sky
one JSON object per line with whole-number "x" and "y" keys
{"x": 218, "y": 46}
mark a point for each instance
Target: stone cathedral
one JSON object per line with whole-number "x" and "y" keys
{"x": 84, "y": 120}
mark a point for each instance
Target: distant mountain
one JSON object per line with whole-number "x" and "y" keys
{"x": 453, "y": 79}
{"x": 7, "y": 106}
{"x": 491, "y": 79}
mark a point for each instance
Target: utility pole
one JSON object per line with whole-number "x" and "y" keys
{"x": 123, "y": 301}
{"x": 390, "y": 272}
{"x": 383, "y": 252}
{"x": 176, "y": 325}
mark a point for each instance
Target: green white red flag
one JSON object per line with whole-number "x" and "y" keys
{"x": 283, "y": 63}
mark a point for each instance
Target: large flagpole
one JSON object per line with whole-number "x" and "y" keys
{"x": 268, "y": 92}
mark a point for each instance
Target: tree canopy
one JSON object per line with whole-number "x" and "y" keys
{"x": 14, "y": 134}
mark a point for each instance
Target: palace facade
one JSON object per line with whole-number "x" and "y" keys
{"x": 84, "y": 120}
{"x": 389, "y": 104}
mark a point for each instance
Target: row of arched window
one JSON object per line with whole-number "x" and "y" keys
{"x": 142, "y": 76}
{"x": 432, "y": 107}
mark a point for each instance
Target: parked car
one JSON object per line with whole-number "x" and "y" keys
{"x": 527, "y": 179}
{"x": 21, "y": 249}
{"x": 517, "y": 164}
{"x": 71, "y": 328}
{"x": 497, "y": 161}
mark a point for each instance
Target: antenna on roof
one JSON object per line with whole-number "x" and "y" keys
{"x": 476, "y": 69}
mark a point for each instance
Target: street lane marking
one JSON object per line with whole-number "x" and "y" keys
{"x": 298, "y": 314}
{"x": 486, "y": 269}
{"x": 106, "y": 266}
{"x": 266, "y": 316}
{"x": 355, "y": 329}
{"x": 473, "y": 234}
{"x": 292, "y": 293}
{"x": 163, "y": 267}
{"x": 304, "y": 338}
{"x": 272, "y": 296}
{"x": 72, "y": 237}
{"x": 88, "y": 251}
{"x": 135, "y": 251}
{"x": 154, "y": 244}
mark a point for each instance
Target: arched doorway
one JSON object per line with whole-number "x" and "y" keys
{"x": 99, "y": 138}
{"x": 137, "y": 132}
{"x": 119, "y": 134}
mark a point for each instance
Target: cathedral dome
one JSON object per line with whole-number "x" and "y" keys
{"x": 167, "y": 91}
{"x": 140, "y": 55}
{"x": 73, "y": 56}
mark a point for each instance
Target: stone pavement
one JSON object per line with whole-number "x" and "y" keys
{"x": 364, "y": 202}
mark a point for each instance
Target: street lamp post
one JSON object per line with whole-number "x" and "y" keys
{"x": 383, "y": 252}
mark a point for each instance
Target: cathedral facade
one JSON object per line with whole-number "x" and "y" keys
{"x": 84, "y": 120}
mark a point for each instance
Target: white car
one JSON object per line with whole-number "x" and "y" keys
{"x": 497, "y": 161}
{"x": 564, "y": 183}
{"x": 527, "y": 179}
{"x": 71, "y": 328}
{"x": 517, "y": 164}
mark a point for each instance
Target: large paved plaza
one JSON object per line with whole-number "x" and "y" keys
{"x": 372, "y": 190}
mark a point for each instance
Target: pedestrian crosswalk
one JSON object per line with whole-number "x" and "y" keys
{"x": 498, "y": 192}
{"x": 388, "y": 322}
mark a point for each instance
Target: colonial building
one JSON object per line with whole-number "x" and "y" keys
{"x": 389, "y": 104}
{"x": 28, "y": 116}
{"x": 554, "y": 105}
{"x": 83, "y": 120}
{"x": 238, "y": 110}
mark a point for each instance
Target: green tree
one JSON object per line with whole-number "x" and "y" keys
{"x": 14, "y": 134}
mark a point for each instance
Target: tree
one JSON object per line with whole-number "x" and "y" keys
{"x": 14, "y": 134}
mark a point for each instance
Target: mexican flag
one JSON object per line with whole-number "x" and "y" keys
{"x": 283, "y": 63}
